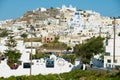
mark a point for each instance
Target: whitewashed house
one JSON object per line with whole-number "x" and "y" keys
{"x": 39, "y": 66}
{"x": 108, "y": 58}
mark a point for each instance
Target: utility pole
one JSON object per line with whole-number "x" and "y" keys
{"x": 31, "y": 58}
{"x": 114, "y": 30}
{"x": 31, "y": 31}
{"x": 114, "y": 36}
{"x": 100, "y": 31}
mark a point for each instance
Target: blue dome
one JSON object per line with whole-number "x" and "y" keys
{"x": 76, "y": 13}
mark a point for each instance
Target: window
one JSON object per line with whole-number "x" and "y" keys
{"x": 26, "y": 65}
{"x": 106, "y": 42}
{"x": 51, "y": 38}
{"x": 50, "y": 63}
{"x": 107, "y": 54}
{"x": 108, "y": 61}
{"x": 47, "y": 38}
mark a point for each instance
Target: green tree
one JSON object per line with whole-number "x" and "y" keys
{"x": 53, "y": 45}
{"x": 69, "y": 48}
{"x": 11, "y": 43}
{"x": 56, "y": 40}
{"x": 40, "y": 55}
{"x": 4, "y": 33}
{"x": 90, "y": 48}
{"x": 24, "y": 35}
{"x": 20, "y": 28}
{"x": 12, "y": 54}
{"x": 69, "y": 57}
{"x": 96, "y": 45}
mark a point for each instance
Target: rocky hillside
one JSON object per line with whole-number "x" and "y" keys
{"x": 39, "y": 15}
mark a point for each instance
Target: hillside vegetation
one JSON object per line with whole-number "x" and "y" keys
{"x": 73, "y": 75}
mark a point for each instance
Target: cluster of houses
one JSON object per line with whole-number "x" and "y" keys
{"x": 71, "y": 25}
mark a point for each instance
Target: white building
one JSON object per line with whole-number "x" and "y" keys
{"x": 39, "y": 66}
{"x": 108, "y": 58}
{"x": 76, "y": 24}
{"x": 42, "y": 9}
{"x": 64, "y": 8}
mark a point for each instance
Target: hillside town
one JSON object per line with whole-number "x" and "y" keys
{"x": 31, "y": 33}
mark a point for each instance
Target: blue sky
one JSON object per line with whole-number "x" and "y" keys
{"x": 11, "y": 9}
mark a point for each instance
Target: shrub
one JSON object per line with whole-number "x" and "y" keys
{"x": 72, "y": 75}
